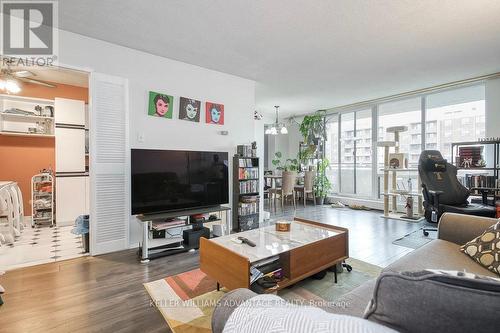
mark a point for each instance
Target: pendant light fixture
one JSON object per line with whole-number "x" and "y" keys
{"x": 277, "y": 127}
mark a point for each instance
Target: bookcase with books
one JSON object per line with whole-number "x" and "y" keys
{"x": 478, "y": 164}
{"x": 245, "y": 189}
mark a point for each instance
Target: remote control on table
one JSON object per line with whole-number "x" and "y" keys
{"x": 247, "y": 241}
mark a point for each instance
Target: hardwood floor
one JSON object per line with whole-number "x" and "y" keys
{"x": 105, "y": 293}
{"x": 370, "y": 236}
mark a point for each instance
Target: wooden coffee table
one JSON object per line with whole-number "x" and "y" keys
{"x": 307, "y": 249}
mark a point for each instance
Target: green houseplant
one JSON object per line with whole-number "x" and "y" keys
{"x": 321, "y": 183}
{"x": 290, "y": 164}
{"x": 313, "y": 127}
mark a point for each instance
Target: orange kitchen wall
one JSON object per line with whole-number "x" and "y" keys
{"x": 61, "y": 90}
{"x": 22, "y": 157}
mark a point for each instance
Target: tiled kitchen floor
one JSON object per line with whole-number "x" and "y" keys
{"x": 41, "y": 245}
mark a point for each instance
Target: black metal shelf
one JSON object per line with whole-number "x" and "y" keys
{"x": 494, "y": 149}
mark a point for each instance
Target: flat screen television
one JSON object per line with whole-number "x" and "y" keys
{"x": 168, "y": 180}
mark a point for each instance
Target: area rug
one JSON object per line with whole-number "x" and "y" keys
{"x": 415, "y": 239}
{"x": 187, "y": 300}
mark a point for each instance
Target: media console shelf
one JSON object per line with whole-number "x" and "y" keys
{"x": 155, "y": 248}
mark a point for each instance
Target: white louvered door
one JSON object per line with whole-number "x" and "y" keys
{"x": 109, "y": 164}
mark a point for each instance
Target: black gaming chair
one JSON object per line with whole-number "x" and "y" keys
{"x": 443, "y": 192}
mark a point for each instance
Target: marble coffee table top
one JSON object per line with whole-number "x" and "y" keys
{"x": 270, "y": 242}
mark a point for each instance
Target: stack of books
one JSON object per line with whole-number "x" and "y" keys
{"x": 248, "y": 208}
{"x": 248, "y": 173}
{"x": 478, "y": 180}
{"x": 245, "y": 150}
{"x": 245, "y": 163}
{"x": 250, "y": 186}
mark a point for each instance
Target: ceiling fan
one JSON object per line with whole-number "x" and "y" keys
{"x": 9, "y": 79}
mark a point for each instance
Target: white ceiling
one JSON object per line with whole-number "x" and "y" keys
{"x": 57, "y": 75}
{"x": 307, "y": 55}
{"x": 54, "y": 74}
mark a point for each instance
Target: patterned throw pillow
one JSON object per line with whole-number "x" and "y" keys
{"x": 485, "y": 249}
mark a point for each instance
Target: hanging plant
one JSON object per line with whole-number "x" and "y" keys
{"x": 313, "y": 127}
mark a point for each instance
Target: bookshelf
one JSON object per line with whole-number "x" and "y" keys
{"x": 478, "y": 164}
{"x": 245, "y": 191}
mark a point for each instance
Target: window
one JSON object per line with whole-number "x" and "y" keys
{"x": 346, "y": 158}
{"x": 401, "y": 113}
{"x": 450, "y": 116}
{"x": 363, "y": 153}
{"x": 352, "y": 168}
{"x": 459, "y": 116}
{"x": 332, "y": 152}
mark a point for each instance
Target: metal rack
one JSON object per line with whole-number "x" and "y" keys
{"x": 487, "y": 154}
{"x": 42, "y": 199}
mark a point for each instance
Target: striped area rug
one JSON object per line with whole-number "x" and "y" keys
{"x": 187, "y": 300}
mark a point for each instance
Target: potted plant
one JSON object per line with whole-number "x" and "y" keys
{"x": 321, "y": 183}
{"x": 305, "y": 155}
{"x": 313, "y": 128}
{"x": 289, "y": 164}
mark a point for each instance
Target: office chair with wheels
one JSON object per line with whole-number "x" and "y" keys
{"x": 443, "y": 192}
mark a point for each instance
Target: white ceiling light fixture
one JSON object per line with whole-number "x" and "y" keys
{"x": 10, "y": 86}
{"x": 277, "y": 127}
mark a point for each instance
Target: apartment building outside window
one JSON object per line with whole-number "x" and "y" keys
{"x": 449, "y": 116}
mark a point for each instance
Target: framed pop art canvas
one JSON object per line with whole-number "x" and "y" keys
{"x": 160, "y": 105}
{"x": 189, "y": 109}
{"x": 214, "y": 113}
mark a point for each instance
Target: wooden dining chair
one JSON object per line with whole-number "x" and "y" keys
{"x": 308, "y": 187}
{"x": 287, "y": 188}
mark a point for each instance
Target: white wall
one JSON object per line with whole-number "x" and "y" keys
{"x": 148, "y": 72}
{"x": 493, "y": 108}
{"x": 287, "y": 144}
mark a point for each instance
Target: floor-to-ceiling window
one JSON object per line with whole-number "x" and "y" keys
{"x": 349, "y": 149}
{"x": 432, "y": 121}
{"x": 347, "y": 153}
{"x": 454, "y": 116}
{"x": 332, "y": 151}
{"x": 401, "y": 113}
{"x": 363, "y": 153}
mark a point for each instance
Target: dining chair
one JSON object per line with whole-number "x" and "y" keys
{"x": 287, "y": 188}
{"x": 308, "y": 187}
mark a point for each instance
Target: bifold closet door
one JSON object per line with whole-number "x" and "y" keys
{"x": 109, "y": 164}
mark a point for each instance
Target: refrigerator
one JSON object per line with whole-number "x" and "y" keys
{"x": 72, "y": 179}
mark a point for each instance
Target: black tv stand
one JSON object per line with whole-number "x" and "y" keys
{"x": 152, "y": 248}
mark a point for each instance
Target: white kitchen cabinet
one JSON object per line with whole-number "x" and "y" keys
{"x": 70, "y": 149}
{"x": 71, "y": 199}
{"x": 69, "y": 111}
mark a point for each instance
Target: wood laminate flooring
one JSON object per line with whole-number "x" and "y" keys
{"x": 105, "y": 293}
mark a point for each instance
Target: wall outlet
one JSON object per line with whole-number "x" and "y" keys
{"x": 140, "y": 137}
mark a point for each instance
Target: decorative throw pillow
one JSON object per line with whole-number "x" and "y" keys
{"x": 485, "y": 249}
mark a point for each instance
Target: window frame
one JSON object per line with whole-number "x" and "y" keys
{"x": 375, "y": 131}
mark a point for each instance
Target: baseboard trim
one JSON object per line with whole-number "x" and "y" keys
{"x": 373, "y": 204}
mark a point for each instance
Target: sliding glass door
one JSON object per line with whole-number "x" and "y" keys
{"x": 363, "y": 153}
{"x": 332, "y": 151}
{"x": 347, "y": 156}
{"x": 355, "y": 155}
